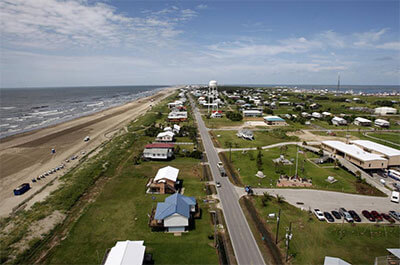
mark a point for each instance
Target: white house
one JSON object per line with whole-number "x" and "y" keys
{"x": 161, "y": 151}
{"x": 177, "y": 116}
{"x": 359, "y": 121}
{"x": 167, "y": 136}
{"x": 338, "y": 121}
{"x": 175, "y": 104}
{"x": 385, "y": 110}
{"x": 305, "y": 115}
{"x": 216, "y": 115}
{"x": 326, "y": 114}
{"x": 126, "y": 253}
{"x": 316, "y": 115}
{"x": 381, "y": 123}
{"x": 167, "y": 173}
{"x": 176, "y": 128}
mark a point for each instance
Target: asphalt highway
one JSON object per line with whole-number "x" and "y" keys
{"x": 244, "y": 244}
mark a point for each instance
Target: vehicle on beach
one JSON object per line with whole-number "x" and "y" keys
{"x": 87, "y": 138}
{"x": 24, "y": 187}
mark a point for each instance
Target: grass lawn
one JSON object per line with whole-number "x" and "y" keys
{"x": 214, "y": 123}
{"x": 313, "y": 240}
{"x": 388, "y": 136}
{"x": 120, "y": 213}
{"x": 246, "y": 166}
{"x": 261, "y": 138}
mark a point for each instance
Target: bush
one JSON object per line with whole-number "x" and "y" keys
{"x": 234, "y": 116}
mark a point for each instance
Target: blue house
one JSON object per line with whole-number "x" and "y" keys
{"x": 175, "y": 212}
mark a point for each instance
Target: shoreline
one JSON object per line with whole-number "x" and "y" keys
{"x": 27, "y": 155}
{"x": 32, "y": 130}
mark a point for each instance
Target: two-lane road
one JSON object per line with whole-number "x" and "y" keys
{"x": 244, "y": 244}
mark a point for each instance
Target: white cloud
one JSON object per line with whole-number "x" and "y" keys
{"x": 331, "y": 38}
{"x": 366, "y": 39}
{"x": 390, "y": 46}
{"x": 202, "y": 6}
{"x": 52, "y": 24}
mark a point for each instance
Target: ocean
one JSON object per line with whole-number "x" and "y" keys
{"x": 26, "y": 109}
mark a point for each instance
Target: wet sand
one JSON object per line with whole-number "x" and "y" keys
{"x": 28, "y": 155}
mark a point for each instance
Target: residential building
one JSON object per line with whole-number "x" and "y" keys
{"x": 167, "y": 136}
{"x": 356, "y": 155}
{"x": 164, "y": 182}
{"x": 216, "y": 114}
{"x": 362, "y": 121}
{"x": 177, "y": 116}
{"x": 175, "y": 213}
{"x": 125, "y": 253}
{"x": 338, "y": 121}
{"x": 391, "y": 154}
{"x": 382, "y": 123}
{"x": 175, "y": 104}
{"x": 326, "y": 114}
{"x": 334, "y": 261}
{"x": 274, "y": 121}
{"x": 158, "y": 151}
{"x": 316, "y": 115}
{"x": 385, "y": 110}
{"x": 252, "y": 113}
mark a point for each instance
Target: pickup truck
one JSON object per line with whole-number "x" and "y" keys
{"x": 221, "y": 169}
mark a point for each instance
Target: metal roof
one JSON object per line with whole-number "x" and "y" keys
{"x": 273, "y": 118}
{"x": 167, "y": 172}
{"x": 353, "y": 151}
{"x": 380, "y": 148}
{"x": 126, "y": 253}
{"x": 175, "y": 203}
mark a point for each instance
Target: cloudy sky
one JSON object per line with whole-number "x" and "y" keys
{"x": 129, "y": 42}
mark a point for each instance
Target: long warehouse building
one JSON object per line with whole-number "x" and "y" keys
{"x": 356, "y": 155}
{"x": 391, "y": 154}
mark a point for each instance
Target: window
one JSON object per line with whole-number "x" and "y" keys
{"x": 369, "y": 165}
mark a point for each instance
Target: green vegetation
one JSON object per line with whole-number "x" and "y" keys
{"x": 220, "y": 122}
{"x": 120, "y": 213}
{"x": 261, "y": 138}
{"x": 246, "y": 166}
{"x": 313, "y": 240}
{"x": 388, "y": 136}
{"x": 234, "y": 116}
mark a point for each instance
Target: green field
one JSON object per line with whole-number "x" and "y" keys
{"x": 246, "y": 166}
{"x": 120, "y": 213}
{"x": 214, "y": 123}
{"x": 388, "y": 136}
{"x": 312, "y": 240}
{"x": 261, "y": 138}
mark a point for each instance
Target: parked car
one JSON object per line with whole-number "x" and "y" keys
{"x": 355, "y": 216}
{"x": 343, "y": 212}
{"x": 218, "y": 184}
{"x": 319, "y": 214}
{"x": 395, "y": 215}
{"x": 395, "y": 197}
{"x": 368, "y": 215}
{"x": 329, "y": 217}
{"x": 336, "y": 214}
{"x": 377, "y": 216}
{"x": 387, "y": 218}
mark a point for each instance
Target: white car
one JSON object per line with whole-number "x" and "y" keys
{"x": 320, "y": 216}
{"x": 395, "y": 196}
{"x": 218, "y": 185}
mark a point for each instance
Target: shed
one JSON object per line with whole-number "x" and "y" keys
{"x": 126, "y": 253}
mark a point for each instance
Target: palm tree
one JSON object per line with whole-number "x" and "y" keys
{"x": 280, "y": 199}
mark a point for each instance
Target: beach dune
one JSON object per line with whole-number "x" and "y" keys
{"x": 28, "y": 155}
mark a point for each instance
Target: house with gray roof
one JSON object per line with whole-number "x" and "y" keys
{"x": 175, "y": 213}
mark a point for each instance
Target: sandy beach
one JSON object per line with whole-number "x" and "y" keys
{"x": 28, "y": 155}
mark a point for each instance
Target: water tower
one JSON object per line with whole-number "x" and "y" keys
{"x": 212, "y": 94}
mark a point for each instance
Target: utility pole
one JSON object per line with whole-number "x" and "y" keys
{"x": 297, "y": 159}
{"x": 288, "y": 238}
{"x": 277, "y": 226}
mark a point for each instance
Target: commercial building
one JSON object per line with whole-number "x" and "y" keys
{"x": 252, "y": 113}
{"x": 274, "y": 120}
{"x": 391, "y": 154}
{"x": 356, "y": 155}
{"x": 158, "y": 151}
{"x": 385, "y": 110}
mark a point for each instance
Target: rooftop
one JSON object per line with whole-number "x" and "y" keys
{"x": 353, "y": 151}
{"x": 175, "y": 203}
{"x": 383, "y": 149}
{"x": 159, "y": 145}
{"x": 126, "y": 253}
{"x": 273, "y": 118}
{"x": 167, "y": 172}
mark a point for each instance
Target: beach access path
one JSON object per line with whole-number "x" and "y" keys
{"x": 28, "y": 155}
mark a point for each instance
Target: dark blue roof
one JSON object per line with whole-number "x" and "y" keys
{"x": 176, "y": 203}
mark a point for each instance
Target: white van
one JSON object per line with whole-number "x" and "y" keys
{"x": 395, "y": 196}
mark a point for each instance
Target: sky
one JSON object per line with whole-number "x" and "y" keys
{"x": 47, "y": 43}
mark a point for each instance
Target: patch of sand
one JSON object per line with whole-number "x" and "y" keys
{"x": 28, "y": 155}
